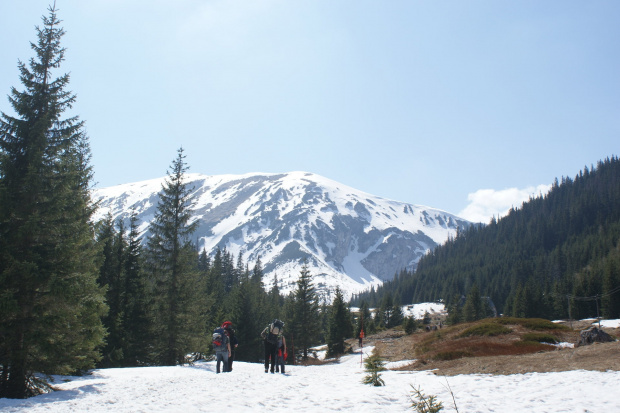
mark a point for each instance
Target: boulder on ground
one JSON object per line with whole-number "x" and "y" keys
{"x": 593, "y": 335}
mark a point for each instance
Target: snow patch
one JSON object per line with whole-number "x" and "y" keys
{"x": 333, "y": 387}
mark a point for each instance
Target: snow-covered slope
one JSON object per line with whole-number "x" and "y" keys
{"x": 350, "y": 239}
{"x": 333, "y": 387}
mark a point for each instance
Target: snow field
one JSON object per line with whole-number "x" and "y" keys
{"x": 331, "y": 387}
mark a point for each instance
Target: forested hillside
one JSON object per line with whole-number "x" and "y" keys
{"x": 555, "y": 254}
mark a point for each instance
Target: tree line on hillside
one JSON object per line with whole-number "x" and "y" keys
{"x": 76, "y": 294}
{"x": 555, "y": 257}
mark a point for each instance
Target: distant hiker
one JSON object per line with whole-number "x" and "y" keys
{"x": 270, "y": 337}
{"x": 232, "y": 338}
{"x": 221, "y": 345}
{"x": 281, "y": 353}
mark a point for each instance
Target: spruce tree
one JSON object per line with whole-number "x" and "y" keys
{"x": 135, "y": 321}
{"x": 387, "y": 310}
{"x": 519, "y": 304}
{"x": 110, "y": 277}
{"x": 339, "y": 325}
{"x": 472, "y": 310}
{"x": 257, "y": 272}
{"x": 229, "y": 275}
{"x": 215, "y": 291}
{"x": 426, "y": 318}
{"x": 455, "y": 313}
{"x": 397, "y": 317}
{"x": 410, "y": 325}
{"x": 374, "y": 365}
{"x": 364, "y": 320}
{"x": 248, "y": 319}
{"x": 172, "y": 264}
{"x": 204, "y": 263}
{"x": 610, "y": 300}
{"x": 305, "y": 312}
{"x": 50, "y": 303}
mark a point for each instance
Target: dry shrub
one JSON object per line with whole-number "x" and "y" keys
{"x": 485, "y": 329}
{"x": 490, "y": 337}
{"x": 540, "y": 338}
{"x": 478, "y": 347}
{"x": 541, "y": 324}
{"x": 429, "y": 342}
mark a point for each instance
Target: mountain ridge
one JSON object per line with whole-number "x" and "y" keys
{"x": 350, "y": 239}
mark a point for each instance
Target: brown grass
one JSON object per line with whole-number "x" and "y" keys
{"x": 522, "y": 349}
{"x": 491, "y": 337}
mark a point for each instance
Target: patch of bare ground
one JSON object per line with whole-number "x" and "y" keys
{"x": 497, "y": 346}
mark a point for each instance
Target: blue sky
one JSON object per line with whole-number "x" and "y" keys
{"x": 465, "y": 106}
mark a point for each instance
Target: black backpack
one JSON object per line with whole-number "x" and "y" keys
{"x": 276, "y": 327}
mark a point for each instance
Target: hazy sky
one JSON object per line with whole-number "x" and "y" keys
{"x": 465, "y": 106}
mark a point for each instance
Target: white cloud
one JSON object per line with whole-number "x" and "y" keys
{"x": 486, "y": 203}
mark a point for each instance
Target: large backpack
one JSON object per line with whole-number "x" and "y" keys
{"x": 220, "y": 339}
{"x": 276, "y": 327}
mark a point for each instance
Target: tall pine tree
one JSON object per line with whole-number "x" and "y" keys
{"x": 473, "y": 310}
{"x": 364, "y": 320}
{"x": 172, "y": 264}
{"x": 248, "y": 317}
{"x": 50, "y": 303}
{"x": 339, "y": 325}
{"x": 135, "y": 321}
{"x": 305, "y": 325}
{"x": 111, "y": 277}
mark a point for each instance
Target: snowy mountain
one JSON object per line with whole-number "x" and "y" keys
{"x": 350, "y": 239}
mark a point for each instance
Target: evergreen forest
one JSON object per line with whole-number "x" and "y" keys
{"x": 555, "y": 257}
{"x": 77, "y": 294}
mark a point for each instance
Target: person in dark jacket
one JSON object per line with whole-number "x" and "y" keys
{"x": 271, "y": 341}
{"x": 227, "y": 325}
{"x": 222, "y": 349}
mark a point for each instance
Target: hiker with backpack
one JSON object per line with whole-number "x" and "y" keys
{"x": 270, "y": 337}
{"x": 232, "y": 338}
{"x": 281, "y": 353}
{"x": 221, "y": 345}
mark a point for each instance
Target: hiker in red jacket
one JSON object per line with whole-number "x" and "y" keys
{"x": 232, "y": 338}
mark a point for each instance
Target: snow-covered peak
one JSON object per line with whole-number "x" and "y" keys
{"x": 350, "y": 238}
